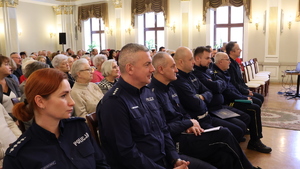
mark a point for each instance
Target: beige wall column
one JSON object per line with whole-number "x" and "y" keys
{"x": 9, "y": 40}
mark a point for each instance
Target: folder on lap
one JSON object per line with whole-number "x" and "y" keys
{"x": 224, "y": 113}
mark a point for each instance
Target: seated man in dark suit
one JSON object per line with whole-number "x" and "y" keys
{"x": 233, "y": 51}
{"x": 207, "y": 146}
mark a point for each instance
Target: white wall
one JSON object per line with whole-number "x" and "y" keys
{"x": 36, "y": 21}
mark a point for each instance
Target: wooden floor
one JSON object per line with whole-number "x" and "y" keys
{"x": 285, "y": 143}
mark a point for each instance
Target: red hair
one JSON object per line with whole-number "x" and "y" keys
{"x": 42, "y": 82}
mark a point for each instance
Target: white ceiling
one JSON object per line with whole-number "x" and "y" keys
{"x": 62, "y": 2}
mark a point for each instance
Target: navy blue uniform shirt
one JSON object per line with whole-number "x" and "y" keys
{"x": 38, "y": 148}
{"x": 231, "y": 93}
{"x": 236, "y": 78}
{"x": 216, "y": 86}
{"x": 188, "y": 88}
{"x": 177, "y": 119}
{"x": 133, "y": 131}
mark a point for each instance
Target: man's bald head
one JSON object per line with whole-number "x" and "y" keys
{"x": 160, "y": 59}
{"x": 181, "y": 52}
{"x": 184, "y": 59}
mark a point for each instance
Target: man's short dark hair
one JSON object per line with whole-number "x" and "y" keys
{"x": 229, "y": 47}
{"x": 208, "y": 46}
{"x": 160, "y": 49}
{"x": 200, "y": 50}
{"x": 68, "y": 49}
{"x": 22, "y": 53}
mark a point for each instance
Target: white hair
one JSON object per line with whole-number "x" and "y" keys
{"x": 77, "y": 67}
{"x": 106, "y": 67}
{"x": 99, "y": 59}
{"x": 58, "y": 59}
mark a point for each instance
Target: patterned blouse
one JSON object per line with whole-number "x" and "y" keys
{"x": 106, "y": 85}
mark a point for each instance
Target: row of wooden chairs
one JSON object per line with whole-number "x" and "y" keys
{"x": 256, "y": 80}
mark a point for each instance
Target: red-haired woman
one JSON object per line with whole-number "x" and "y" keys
{"x": 54, "y": 140}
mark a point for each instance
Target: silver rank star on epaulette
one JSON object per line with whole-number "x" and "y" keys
{"x": 19, "y": 142}
{"x": 115, "y": 91}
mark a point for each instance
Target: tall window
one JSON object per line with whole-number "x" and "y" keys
{"x": 94, "y": 31}
{"x": 151, "y": 30}
{"x": 229, "y": 25}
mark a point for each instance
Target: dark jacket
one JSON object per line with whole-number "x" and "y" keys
{"x": 236, "y": 77}
{"x": 188, "y": 88}
{"x": 39, "y": 148}
{"x": 177, "y": 119}
{"x": 132, "y": 128}
{"x": 230, "y": 93}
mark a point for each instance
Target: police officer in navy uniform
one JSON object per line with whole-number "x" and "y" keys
{"x": 194, "y": 96}
{"x": 133, "y": 132}
{"x": 54, "y": 140}
{"x": 231, "y": 94}
{"x": 194, "y": 142}
{"x": 217, "y": 86}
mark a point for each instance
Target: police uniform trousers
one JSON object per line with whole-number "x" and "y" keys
{"x": 257, "y": 99}
{"x": 254, "y": 111}
{"x": 219, "y": 148}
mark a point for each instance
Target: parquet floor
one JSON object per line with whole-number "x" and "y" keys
{"x": 285, "y": 143}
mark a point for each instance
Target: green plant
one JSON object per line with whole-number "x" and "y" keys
{"x": 91, "y": 46}
{"x": 150, "y": 44}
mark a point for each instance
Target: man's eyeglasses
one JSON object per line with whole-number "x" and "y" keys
{"x": 90, "y": 70}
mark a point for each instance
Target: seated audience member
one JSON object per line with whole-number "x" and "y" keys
{"x": 13, "y": 67}
{"x": 54, "y": 140}
{"x": 75, "y": 57}
{"x": 23, "y": 55}
{"x": 70, "y": 61}
{"x": 87, "y": 58}
{"x": 79, "y": 53}
{"x": 110, "y": 71}
{"x": 41, "y": 59}
{"x": 194, "y": 95}
{"x": 94, "y": 53}
{"x": 61, "y": 63}
{"x": 70, "y": 52}
{"x": 223, "y": 48}
{"x": 29, "y": 69}
{"x": 18, "y": 60}
{"x": 162, "y": 49}
{"x": 233, "y": 51}
{"x": 216, "y": 86}
{"x": 10, "y": 88}
{"x": 25, "y": 62}
{"x": 231, "y": 94}
{"x": 85, "y": 93}
{"x": 112, "y": 54}
{"x": 98, "y": 61}
{"x": 195, "y": 142}
{"x": 9, "y": 132}
{"x": 132, "y": 128}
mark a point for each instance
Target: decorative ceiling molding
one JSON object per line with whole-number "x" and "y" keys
{"x": 9, "y": 3}
{"x": 63, "y": 9}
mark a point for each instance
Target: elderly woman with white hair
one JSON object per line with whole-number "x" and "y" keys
{"x": 85, "y": 94}
{"x": 110, "y": 71}
{"x": 97, "y": 61}
{"x": 61, "y": 63}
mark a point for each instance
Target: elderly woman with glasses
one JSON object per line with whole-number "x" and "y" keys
{"x": 98, "y": 61}
{"x": 85, "y": 93}
{"x": 110, "y": 70}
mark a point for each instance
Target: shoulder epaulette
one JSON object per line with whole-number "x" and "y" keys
{"x": 14, "y": 148}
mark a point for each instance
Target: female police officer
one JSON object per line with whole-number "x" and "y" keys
{"x": 54, "y": 140}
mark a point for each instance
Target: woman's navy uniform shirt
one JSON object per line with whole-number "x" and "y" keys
{"x": 133, "y": 131}
{"x": 38, "y": 148}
